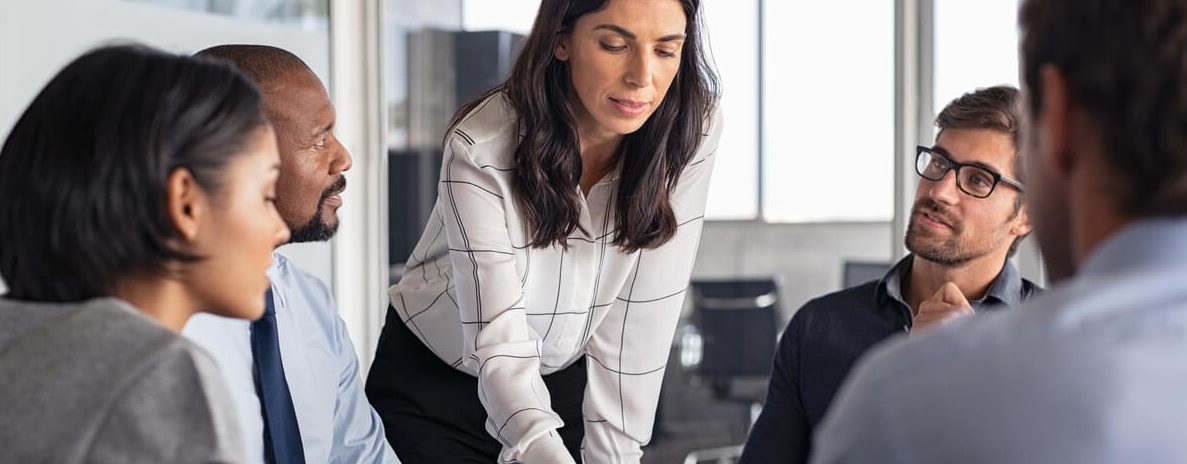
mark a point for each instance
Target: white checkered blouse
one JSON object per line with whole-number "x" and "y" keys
{"x": 490, "y": 306}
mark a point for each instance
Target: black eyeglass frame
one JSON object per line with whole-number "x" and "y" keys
{"x": 956, "y": 166}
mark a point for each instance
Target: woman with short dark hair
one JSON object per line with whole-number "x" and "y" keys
{"x": 137, "y": 191}
{"x": 534, "y": 318}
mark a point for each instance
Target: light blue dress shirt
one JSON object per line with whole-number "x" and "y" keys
{"x": 337, "y": 423}
{"x": 1094, "y": 371}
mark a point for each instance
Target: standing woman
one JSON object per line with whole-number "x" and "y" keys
{"x": 137, "y": 190}
{"x": 539, "y": 306}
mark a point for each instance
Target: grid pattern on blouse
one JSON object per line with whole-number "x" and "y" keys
{"x": 487, "y": 304}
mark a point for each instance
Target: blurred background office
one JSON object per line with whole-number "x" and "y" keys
{"x": 824, "y": 103}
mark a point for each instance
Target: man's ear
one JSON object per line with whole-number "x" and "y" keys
{"x": 1054, "y": 123}
{"x": 1021, "y": 225}
{"x": 561, "y": 52}
{"x": 186, "y": 203}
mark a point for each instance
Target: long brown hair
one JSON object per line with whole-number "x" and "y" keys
{"x": 548, "y": 158}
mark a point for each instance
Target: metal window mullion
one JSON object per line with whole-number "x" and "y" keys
{"x": 913, "y": 95}
{"x": 760, "y": 144}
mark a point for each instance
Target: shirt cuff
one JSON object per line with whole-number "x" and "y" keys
{"x": 547, "y": 449}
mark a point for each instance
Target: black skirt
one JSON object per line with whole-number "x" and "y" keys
{"x": 431, "y": 412}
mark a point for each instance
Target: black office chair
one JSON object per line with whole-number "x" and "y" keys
{"x": 860, "y": 272}
{"x": 736, "y": 323}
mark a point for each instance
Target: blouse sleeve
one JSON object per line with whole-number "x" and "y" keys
{"x": 499, "y": 343}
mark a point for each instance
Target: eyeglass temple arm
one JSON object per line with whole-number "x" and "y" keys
{"x": 1012, "y": 183}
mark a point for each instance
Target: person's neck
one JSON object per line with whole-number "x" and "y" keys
{"x": 161, "y": 299}
{"x": 1086, "y": 205}
{"x": 599, "y": 154}
{"x": 1095, "y": 215}
{"x": 973, "y": 278}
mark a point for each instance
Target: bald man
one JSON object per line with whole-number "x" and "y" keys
{"x": 293, "y": 373}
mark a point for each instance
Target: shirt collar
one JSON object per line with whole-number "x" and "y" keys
{"x": 1146, "y": 244}
{"x": 891, "y": 286}
{"x": 278, "y": 261}
{"x": 1005, "y": 289}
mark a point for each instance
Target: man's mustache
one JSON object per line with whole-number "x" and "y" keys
{"x": 337, "y": 187}
{"x": 939, "y": 212}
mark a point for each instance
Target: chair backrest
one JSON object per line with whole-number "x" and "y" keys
{"x": 736, "y": 320}
{"x": 860, "y": 272}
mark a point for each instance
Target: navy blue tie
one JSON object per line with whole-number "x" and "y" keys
{"x": 282, "y": 436}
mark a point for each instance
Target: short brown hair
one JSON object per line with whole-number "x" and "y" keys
{"x": 1125, "y": 69}
{"x": 994, "y": 108}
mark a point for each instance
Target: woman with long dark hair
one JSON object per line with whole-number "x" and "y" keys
{"x": 137, "y": 191}
{"x": 534, "y": 318}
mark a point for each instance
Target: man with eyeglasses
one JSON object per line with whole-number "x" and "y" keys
{"x": 1094, "y": 371}
{"x": 968, "y": 218}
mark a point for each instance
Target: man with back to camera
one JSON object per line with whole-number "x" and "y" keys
{"x": 294, "y": 373}
{"x": 1095, "y": 370}
{"x": 967, "y": 220}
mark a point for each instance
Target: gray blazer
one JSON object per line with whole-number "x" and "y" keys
{"x": 99, "y": 382}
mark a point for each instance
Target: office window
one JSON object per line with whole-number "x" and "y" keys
{"x": 976, "y": 45}
{"x": 733, "y": 46}
{"x": 419, "y": 98}
{"x": 306, "y": 14}
{"x": 499, "y": 15}
{"x": 828, "y": 109}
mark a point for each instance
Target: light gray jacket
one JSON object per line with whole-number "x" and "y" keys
{"x": 99, "y": 382}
